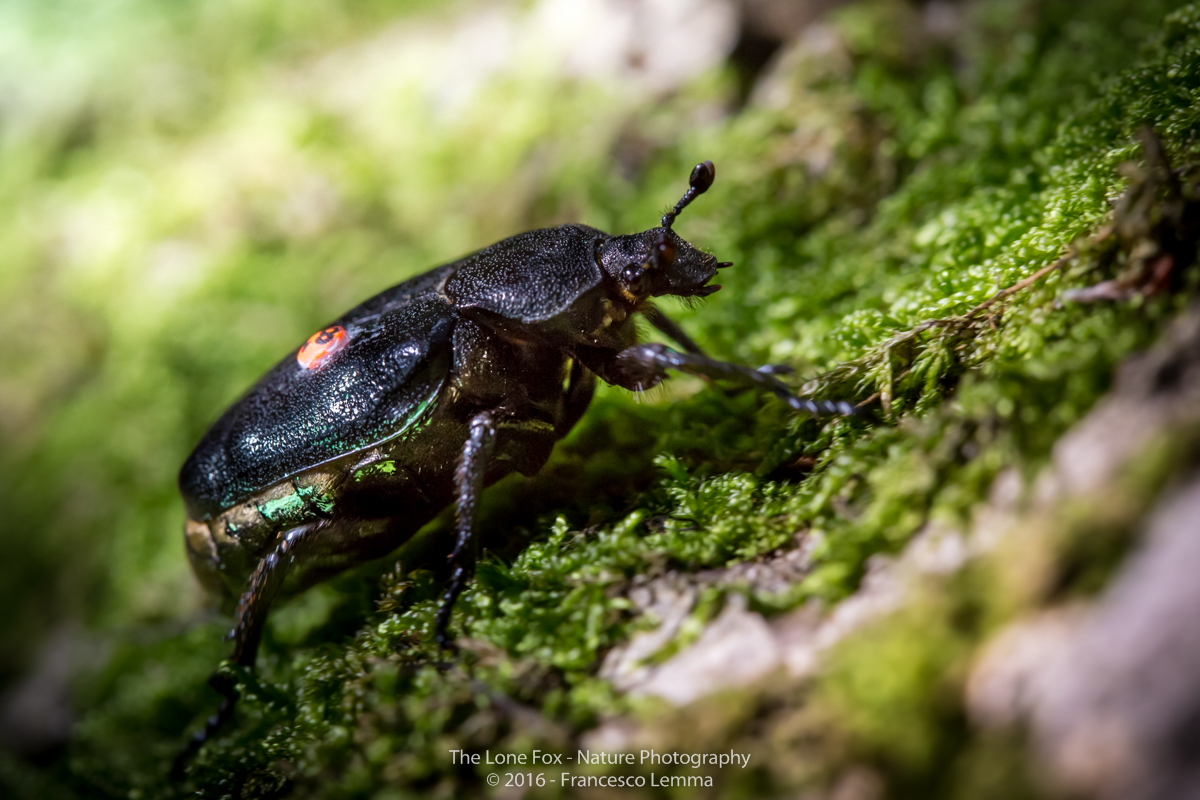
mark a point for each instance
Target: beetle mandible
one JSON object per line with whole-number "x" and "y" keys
{"x": 425, "y": 394}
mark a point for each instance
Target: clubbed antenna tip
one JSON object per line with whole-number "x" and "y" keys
{"x": 702, "y": 177}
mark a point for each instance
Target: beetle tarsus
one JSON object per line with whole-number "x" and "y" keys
{"x": 825, "y": 408}
{"x": 211, "y": 725}
{"x": 468, "y": 479}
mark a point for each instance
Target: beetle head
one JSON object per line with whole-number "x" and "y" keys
{"x": 657, "y": 262}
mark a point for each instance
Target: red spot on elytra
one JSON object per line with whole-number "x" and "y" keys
{"x": 321, "y": 346}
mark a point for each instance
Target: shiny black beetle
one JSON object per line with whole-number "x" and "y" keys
{"x": 425, "y": 394}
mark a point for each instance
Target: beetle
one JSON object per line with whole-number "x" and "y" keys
{"x": 423, "y": 395}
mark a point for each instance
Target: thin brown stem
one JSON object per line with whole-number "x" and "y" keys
{"x": 1024, "y": 283}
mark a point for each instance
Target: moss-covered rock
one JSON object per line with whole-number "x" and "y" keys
{"x": 887, "y": 194}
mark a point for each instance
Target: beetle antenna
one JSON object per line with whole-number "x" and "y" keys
{"x": 702, "y": 178}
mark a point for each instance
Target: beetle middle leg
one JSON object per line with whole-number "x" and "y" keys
{"x": 468, "y": 481}
{"x": 581, "y": 386}
{"x": 643, "y": 366}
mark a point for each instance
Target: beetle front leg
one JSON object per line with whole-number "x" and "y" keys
{"x": 468, "y": 481}
{"x": 645, "y": 365}
{"x": 669, "y": 328}
{"x": 252, "y": 610}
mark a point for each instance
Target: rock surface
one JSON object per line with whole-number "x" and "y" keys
{"x": 1109, "y": 688}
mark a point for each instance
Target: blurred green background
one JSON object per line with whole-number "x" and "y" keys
{"x": 188, "y": 189}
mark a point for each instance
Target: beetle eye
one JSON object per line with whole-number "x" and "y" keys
{"x": 635, "y": 279}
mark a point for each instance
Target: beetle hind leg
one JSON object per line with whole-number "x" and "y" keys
{"x": 468, "y": 481}
{"x": 211, "y": 725}
{"x": 264, "y": 585}
{"x": 252, "y": 610}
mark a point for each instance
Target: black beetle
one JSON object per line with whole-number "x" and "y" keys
{"x": 425, "y": 394}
